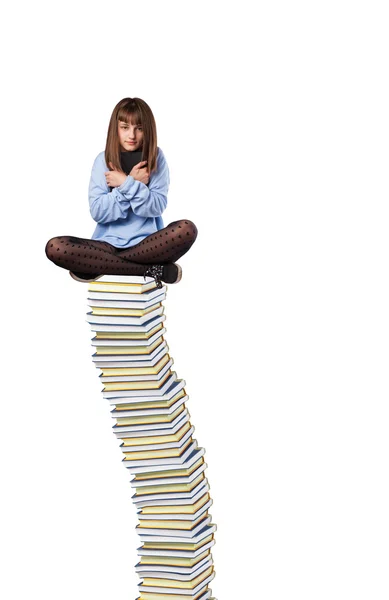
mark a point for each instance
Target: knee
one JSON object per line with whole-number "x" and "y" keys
{"x": 189, "y": 230}
{"x": 54, "y": 248}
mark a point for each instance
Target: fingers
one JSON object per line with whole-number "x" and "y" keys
{"x": 139, "y": 165}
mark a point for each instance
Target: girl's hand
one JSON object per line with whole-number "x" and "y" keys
{"x": 140, "y": 174}
{"x": 115, "y": 178}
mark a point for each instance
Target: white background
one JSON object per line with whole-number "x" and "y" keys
{"x": 273, "y": 117}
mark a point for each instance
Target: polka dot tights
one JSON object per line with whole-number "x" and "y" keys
{"x": 91, "y": 256}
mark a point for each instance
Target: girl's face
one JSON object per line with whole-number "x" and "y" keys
{"x": 130, "y": 136}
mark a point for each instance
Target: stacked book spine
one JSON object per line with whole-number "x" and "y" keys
{"x": 152, "y": 422}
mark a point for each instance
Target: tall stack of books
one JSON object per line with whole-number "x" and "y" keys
{"x": 153, "y": 425}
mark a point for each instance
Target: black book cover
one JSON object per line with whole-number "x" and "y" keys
{"x": 128, "y": 160}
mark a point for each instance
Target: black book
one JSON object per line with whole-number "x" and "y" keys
{"x": 128, "y": 160}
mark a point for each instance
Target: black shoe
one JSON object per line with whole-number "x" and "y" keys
{"x": 84, "y": 277}
{"x": 169, "y": 273}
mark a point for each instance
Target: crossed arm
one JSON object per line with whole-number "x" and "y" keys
{"x": 132, "y": 194}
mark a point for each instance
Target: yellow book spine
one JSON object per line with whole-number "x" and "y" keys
{"x": 127, "y": 349}
{"x": 189, "y": 509}
{"x": 186, "y": 525}
{"x": 149, "y": 420}
{"x": 173, "y": 473}
{"x": 158, "y": 404}
{"x": 127, "y": 335}
{"x": 152, "y": 596}
{"x": 136, "y": 385}
{"x": 124, "y": 312}
{"x": 120, "y": 287}
{"x": 175, "y": 583}
{"x": 116, "y": 372}
{"x": 169, "y": 453}
{"x": 176, "y": 546}
{"x": 166, "y": 489}
{"x": 160, "y": 439}
{"x": 176, "y": 561}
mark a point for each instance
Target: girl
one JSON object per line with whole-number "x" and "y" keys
{"x": 127, "y": 201}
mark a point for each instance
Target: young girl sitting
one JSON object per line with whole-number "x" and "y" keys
{"x": 127, "y": 201}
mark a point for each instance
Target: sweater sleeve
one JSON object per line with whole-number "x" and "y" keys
{"x": 151, "y": 200}
{"x": 106, "y": 206}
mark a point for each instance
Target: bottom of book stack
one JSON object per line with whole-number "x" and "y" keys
{"x": 176, "y": 531}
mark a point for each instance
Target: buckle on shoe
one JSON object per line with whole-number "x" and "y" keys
{"x": 156, "y": 272}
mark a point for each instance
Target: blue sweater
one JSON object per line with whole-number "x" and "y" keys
{"x": 133, "y": 210}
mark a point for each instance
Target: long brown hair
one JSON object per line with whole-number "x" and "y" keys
{"x": 136, "y": 111}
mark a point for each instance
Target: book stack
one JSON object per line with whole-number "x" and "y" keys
{"x": 152, "y": 422}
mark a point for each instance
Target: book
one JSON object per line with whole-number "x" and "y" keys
{"x": 158, "y": 410}
{"x": 127, "y": 431}
{"x": 191, "y": 459}
{"x": 134, "y": 324}
{"x": 176, "y": 386}
{"x": 155, "y": 422}
{"x": 173, "y": 561}
{"x": 155, "y": 511}
{"x": 184, "y": 556}
{"x": 130, "y": 347}
{"x": 123, "y": 296}
{"x": 143, "y": 377}
{"x": 122, "y": 287}
{"x": 137, "y": 384}
{"x": 171, "y": 534}
{"x": 201, "y": 596}
{"x": 176, "y": 446}
{"x": 184, "y": 589}
{"x": 174, "y": 488}
{"x": 185, "y": 471}
{"x": 159, "y": 442}
{"x": 129, "y": 159}
{"x": 117, "y": 300}
{"x": 107, "y": 311}
{"x": 185, "y": 545}
{"x": 173, "y": 481}
{"x": 164, "y": 406}
{"x": 173, "y": 460}
{"x": 174, "y": 572}
{"x": 118, "y": 338}
{"x": 144, "y": 569}
{"x": 104, "y": 361}
{"x": 169, "y": 453}
{"x": 154, "y": 429}
{"x": 182, "y": 582}
{"x": 172, "y": 498}
{"x": 150, "y": 419}
{"x": 128, "y": 393}
{"x": 177, "y": 522}
{"x": 162, "y": 536}
{"x": 136, "y": 369}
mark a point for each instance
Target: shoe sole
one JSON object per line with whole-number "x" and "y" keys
{"x": 73, "y": 276}
{"x": 179, "y": 275}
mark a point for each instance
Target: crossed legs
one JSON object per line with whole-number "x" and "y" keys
{"x": 94, "y": 257}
